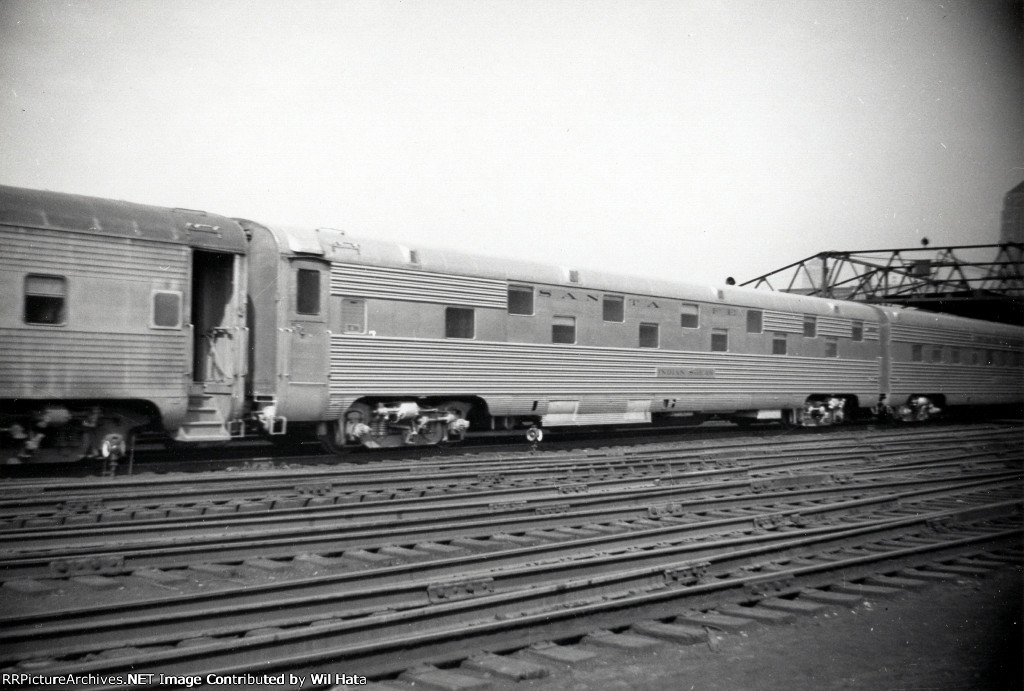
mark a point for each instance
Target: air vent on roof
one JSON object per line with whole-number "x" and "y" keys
{"x": 336, "y": 240}
{"x": 411, "y": 256}
{"x": 203, "y": 228}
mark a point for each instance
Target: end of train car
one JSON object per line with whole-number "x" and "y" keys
{"x": 316, "y": 296}
{"x": 116, "y": 318}
{"x": 936, "y": 362}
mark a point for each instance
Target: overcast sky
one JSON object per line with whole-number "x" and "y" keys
{"x": 687, "y": 139}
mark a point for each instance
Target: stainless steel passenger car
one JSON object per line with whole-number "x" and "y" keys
{"x": 934, "y": 361}
{"x": 116, "y": 317}
{"x": 410, "y": 345}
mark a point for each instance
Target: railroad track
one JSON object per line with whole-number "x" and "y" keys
{"x": 418, "y": 583}
{"x": 36, "y": 503}
{"x": 734, "y": 571}
{"x": 428, "y": 578}
{"x": 361, "y": 530}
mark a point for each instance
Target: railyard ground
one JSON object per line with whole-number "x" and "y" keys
{"x": 963, "y": 634}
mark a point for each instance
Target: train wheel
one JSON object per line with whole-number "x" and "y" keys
{"x": 336, "y": 435}
{"x": 113, "y": 442}
{"x": 432, "y": 434}
{"x": 113, "y": 446}
{"x": 918, "y": 409}
{"x": 460, "y": 410}
{"x": 65, "y": 446}
{"x": 332, "y": 437}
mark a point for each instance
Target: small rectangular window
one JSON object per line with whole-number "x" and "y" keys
{"x": 778, "y": 343}
{"x": 166, "y": 309}
{"x": 45, "y": 299}
{"x": 917, "y": 353}
{"x": 810, "y": 327}
{"x": 689, "y": 316}
{"x": 307, "y": 291}
{"x": 937, "y": 354}
{"x": 975, "y": 357}
{"x": 563, "y": 329}
{"x": 754, "y": 321}
{"x": 614, "y": 308}
{"x": 990, "y": 357}
{"x": 459, "y": 322}
{"x": 954, "y": 356}
{"x": 520, "y": 300}
{"x": 719, "y": 341}
{"x": 831, "y": 347}
{"x": 857, "y": 330}
{"x": 648, "y": 335}
{"x": 353, "y": 316}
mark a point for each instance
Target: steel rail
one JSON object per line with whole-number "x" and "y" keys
{"x": 85, "y": 511}
{"x": 192, "y": 486}
{"x": 319, "y": 512}
{"x": 688, "y": 526}
{"x": 681, "y": 528}
{"x": 225, "y": 511}
{"x": 502, "y": 503}
{"x": 228, "y": 547}
{"x": 373, "y": 645}
{"x": 159, "y": 622}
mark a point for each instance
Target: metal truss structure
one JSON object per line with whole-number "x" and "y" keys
{"x": 980, "y": 281}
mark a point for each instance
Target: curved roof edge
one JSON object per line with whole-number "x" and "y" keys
{"x": 40, "y": 209}
{"x": 909, "y": 316}
{"x": 339, "y": 246}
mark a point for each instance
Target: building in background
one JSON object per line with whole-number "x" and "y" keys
{"x": 1012, "y": 228}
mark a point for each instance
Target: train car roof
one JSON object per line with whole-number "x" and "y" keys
{"x": 937, "y": 320}
{"x": 339, "y": 246}
{"x": 39, "y": 209}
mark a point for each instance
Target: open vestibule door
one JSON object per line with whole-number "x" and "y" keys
{"x": 219, "y": 346}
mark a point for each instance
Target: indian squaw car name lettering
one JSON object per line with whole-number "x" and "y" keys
{"x": 685, "y": 373}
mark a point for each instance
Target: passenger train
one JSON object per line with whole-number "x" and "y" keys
{"x": 118, "y": 318}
